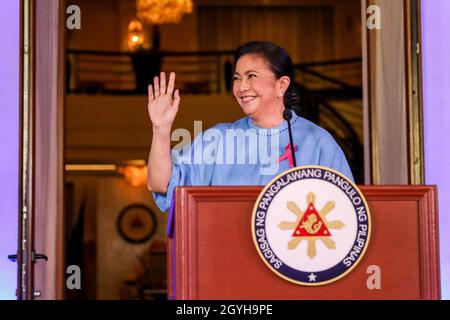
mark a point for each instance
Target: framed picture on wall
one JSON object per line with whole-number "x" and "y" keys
{"x": 136, "y": 223}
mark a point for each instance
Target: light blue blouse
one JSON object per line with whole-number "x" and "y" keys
{"x": 242, "y": 153}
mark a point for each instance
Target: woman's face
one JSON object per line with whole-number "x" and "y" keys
{"x": 255, "y": 87}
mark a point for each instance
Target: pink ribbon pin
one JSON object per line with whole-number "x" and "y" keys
{"x": 288, "y": 155}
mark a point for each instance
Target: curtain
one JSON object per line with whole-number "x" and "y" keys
{"x": 305, "y": 32}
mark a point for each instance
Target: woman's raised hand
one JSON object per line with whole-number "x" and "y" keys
{"x": 163, "y": 102}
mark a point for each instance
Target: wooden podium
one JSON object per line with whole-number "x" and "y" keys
{"x": 211, "y": 254}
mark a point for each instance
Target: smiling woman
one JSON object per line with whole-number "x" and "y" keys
{"x": 264, "y": 86}
{"x": 258, "y": 91}
{"x": 267, "y": 74}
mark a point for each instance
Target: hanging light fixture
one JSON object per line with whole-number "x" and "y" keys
{"x": 135, "y": 34}
{"x": 162, "y": 11}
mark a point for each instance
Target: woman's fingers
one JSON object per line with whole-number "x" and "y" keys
{"x": 150, "y": 92}
{"x": 159, "y": 86}
{"x": 171, "y": 84}
{"x": 176, "y": 98}
{"x": 162, "y": 83}
{"x": 156, "y": 85}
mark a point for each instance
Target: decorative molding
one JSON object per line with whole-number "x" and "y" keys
{"x": 25, "y": 275}
{"x": 414, "y": 105}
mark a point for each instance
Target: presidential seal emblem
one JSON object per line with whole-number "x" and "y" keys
{"x": 311, "y": 225}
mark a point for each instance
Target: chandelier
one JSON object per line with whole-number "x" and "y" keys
{"x": 162, "y": 11}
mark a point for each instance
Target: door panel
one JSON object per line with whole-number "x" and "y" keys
{"x": 48, "y": 186}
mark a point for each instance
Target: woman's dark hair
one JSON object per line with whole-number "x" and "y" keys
{"x": 280, "y": 63}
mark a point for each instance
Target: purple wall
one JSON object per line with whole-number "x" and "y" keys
{"x": 436, "y": 80}
{"x": 9, "y": 142}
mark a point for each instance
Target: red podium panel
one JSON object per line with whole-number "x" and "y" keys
{"x": 212, "y": 254}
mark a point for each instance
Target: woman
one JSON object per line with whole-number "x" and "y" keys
{"x": 250, "y": 151}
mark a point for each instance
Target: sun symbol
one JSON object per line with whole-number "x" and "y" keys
{"x": 311, "y": 225}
